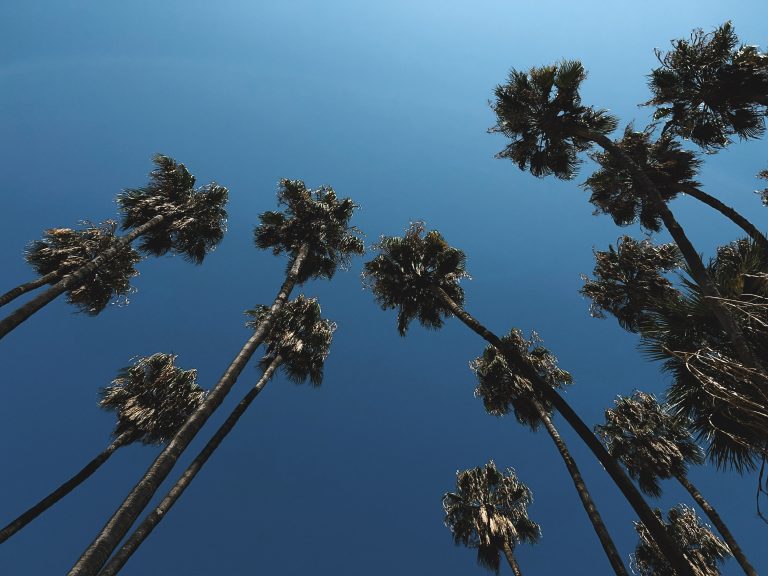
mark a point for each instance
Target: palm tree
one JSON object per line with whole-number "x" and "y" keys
{"x": 64, "y": 250}
{"x": 503, "y": 389}
{"x": 541, "y": 113}
{"x": 166, "y": 215}
{"x": 151, "y": 398}
{"x": 705, "y": 550}
{"x": 418, "y": 275}
{"x": 489, "y": 511}
{"x": 654, "y": 445}
{"x": 314, "y": 231}
{"x": 298, "y": 342}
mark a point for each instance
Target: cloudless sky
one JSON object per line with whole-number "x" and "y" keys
{"x": 388, "y": 103}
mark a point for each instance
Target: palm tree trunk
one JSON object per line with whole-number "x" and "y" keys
{"x": 28, "y": 287}
{"x": 153, "y": 518}
{"x": 115, "y": 529}
{"x": 673, "y": 554}
{"x": 511, "y": 559}
{"x": 75, "y": 278}
{"x": 64, "y": 489}
{"x": 594, "y": 516}
{"x": 719, "y": 524}
{"x": 692, "y": 258}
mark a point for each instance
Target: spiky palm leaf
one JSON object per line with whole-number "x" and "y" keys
{"x": 65, "y": 250}
{"x": 195, "y": 219}
{"x": 709, "y": 88}
{"x": 314, "y": 217}
{"x": 489, "y": 509}
{"x": 705, "y": 551}
{"x": 541, "y": 112}
{"x": 152, "y": 398}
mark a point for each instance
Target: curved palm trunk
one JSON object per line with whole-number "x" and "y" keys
{"x": 64, "y": 489}
{"x": 673, "y": 554}
{"x": 28, "y": 287}
{"x": 594, "y": 516}
{"x": 107, "y": 540}
{"x": 511, "y": 560}
{"x": 153, "y": 518}
{"x": 719, "y": 524}
{"x": 75, "y": 278}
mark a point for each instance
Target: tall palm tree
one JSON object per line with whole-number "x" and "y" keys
{"x": 705, "y": 550}
{"x": 151, "y": 398}
{"x": 489, "y": 511}
{"x": 166, "y": 215}
{"x": 298, "y": 342}
{"x": 503, "y": 390}
{"x": 314, "y": 231}
{"x": 418, "y": 275}
{"x": 654, "y": 445}
{"x": 541, "y": 113}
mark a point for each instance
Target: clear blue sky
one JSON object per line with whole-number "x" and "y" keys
{"x": 387, "y": 102}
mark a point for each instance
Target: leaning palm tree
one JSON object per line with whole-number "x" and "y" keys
{"x": 314, "y": 231}
{"x": 489, "y": 511}
{"x": 298, "y": 342}
{"x": 418, "y": 275}
{"x": 705, "y": 550}
{"x": 503, "y": 390}
{"x": 166, "y": 215}
{"x": 152, "y": 398}
{"x": 654, "y": 445}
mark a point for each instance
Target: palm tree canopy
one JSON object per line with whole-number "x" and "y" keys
{"x": 317, "y": 218}
{"x": 652, "y": 443}
{"x": 503, "y": 388}
{"x": 64, "y": 250}
{"x": 406, "y": 271}
{"x": 704, "y": 550}
{"x": 300, "y": 336}
{"x": 764, "y": 192}
{"x": 629, "y": 281}
{"x": 195, "y": 219}
{"x": 709, "y": 88}
{"x": 614, "y": 191}
{"x": 489, "y": 509}
{"x": 541, "y": 112}
{"x": 152, "y": 398}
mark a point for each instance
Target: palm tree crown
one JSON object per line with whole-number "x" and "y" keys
{"x": 64, "y": 250}
{"x": 488, "y": 511}
{"x": 317, "y": 218}
{"x": 194, "y": 219}
{"x": 408, "y": 269}
{"x": 152, "y": 398}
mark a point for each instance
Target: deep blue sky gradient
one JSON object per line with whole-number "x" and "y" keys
{"x": 387, "y": 102}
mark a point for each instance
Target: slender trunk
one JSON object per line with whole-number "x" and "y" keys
{"x": 64, "y": 489}
{"x": 153, "y": 518}
{"x": 76, "y": 278}
{"x": 719, "y": 524}
{"x": 511, "y": 559}
{"x": 758, "y": 237}
{"x": 107, "y": 540}
{"x": 594, "y": 516}
{"x": 28, "y": 287}
{"x": 673, "y": 554}
{"x": 692, "y": 258}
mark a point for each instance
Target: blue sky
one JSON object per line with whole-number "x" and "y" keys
{"x": 387, "y": 102}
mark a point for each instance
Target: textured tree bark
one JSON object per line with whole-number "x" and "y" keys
{"x": 64, "y": 489}
{"x": 674, "y": 555}
{"x": 144, "y": 529}
{"x": 28, "y": 287}
{"x": 75, "y": 278}
{"x": 115, "y": 529}
{"x": 594, "y": 516}
{"x": 719, "y": 524}
{"x": 511, "y": 560}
